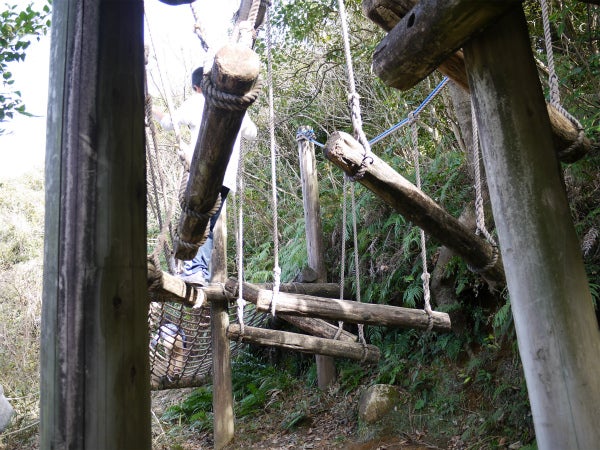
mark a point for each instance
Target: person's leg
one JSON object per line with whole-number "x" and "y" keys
{"x": 201, "y": 262}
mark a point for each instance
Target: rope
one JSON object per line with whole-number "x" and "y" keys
{"x": 225, "y": 100}
{"x": 343, "y": 257}
{"x": 361, "y": 333}
{"x": 553, "y": 80}
{"x": 353, "y": 98}
{"x": 198, "y": 30}
{"x": 425, "y": 275}
{"x": 241, "y": 303}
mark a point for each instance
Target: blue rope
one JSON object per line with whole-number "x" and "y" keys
{"x": 310, "y": 136}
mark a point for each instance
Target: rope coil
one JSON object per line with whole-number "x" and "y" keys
{"x": 225, "y": 100}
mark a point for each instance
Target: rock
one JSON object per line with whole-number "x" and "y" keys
{"x": 6, "y": 411}
{"x": 376, "y": 402}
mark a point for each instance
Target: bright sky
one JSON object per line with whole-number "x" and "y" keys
{"x": 177, "y": 52}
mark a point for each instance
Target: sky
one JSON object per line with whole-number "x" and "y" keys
{"x": 176, "y": 52}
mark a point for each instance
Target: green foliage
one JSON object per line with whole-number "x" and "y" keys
{"x": 18, "y": 25}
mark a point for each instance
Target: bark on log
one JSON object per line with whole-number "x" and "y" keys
{"x": 233, "y": 75}
{"x": 345, "y": 152}
{"x": 304, "y": 343}
{"x": 351, "y": 311}
{"x": 316, "y": 327}
{"x": 388, "y": 13}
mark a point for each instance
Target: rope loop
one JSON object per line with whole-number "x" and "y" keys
{"x": 305, "y": 133}
{"x": 231, "y": 102}
{"x": 492, "y": 262}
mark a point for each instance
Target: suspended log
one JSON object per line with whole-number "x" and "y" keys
{"x": 557, "y": 331}
{"x": 232, "y": 80}
{"x": 345, "y": 152}
{"x": 350, "y": 311}
{"x": 404, "y": 46}
{"x": 304, "y": 343}
{"x": 316, "y": 327}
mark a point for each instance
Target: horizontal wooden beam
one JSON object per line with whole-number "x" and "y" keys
{"x": 314, "y": 326}
{"x": 351, "y": 311}
{"x": 345, "y": 152}
{"x": 388, "y": 13}
{"x": 304, "y": 343}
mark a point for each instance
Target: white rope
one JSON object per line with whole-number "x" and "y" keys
{"x": 353, "y": 97}
{"x": 343, "y": 250}
{"x": 276, "y": 268}
{"x": 425, "y": 275}
{"x": 361, "y": 333}
{"x": 241, "y": 303}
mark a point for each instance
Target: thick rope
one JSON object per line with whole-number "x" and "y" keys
{"x": 225, "y": 100}
{"x": 553, "y": 80}
{"x": 425, "y": 275}
{"x": 276, "y": 268}
{"x": 353, "y": 97}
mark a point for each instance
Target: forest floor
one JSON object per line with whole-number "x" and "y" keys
{"x": 320, "y": 421}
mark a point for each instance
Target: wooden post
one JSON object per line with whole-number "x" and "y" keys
{"x": 388, "y": 13}
{"x": 218, "y": 261}
{"x": 558, "y": 335}
{"x": 222, "y": 389}
{"x": 95, "y": 391}
{"x": 314, "y": 239}
{"x": 233, "y": 77}
{"x": 344, "y": 151}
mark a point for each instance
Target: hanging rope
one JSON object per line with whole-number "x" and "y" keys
{"x": 553, "y": 79}
{"x": 425, "y": 275}
{"x": 241, "y": 303}
{"x": 353, "y": 98}
{"x": 198, "y": 29}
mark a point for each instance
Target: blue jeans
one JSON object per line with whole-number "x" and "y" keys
{"x": 201, "y": 261}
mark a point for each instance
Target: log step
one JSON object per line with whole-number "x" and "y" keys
{"x": 304, "y": 343}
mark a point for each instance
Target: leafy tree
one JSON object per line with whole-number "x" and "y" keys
{"x": 18, "y": 27}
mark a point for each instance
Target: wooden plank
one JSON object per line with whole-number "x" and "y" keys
{"x": 95, "y": 391}
{"x": 316, "y": 327}
{"x": 314, "y": 239}
{"x": 234, "y": 73}
{"x": 388, "y": 13}
{"x": 351, "y": 311}
{"x": 345, "y": 152}
{"x": 557, "y": 331}
{"x": 304, "y": 343}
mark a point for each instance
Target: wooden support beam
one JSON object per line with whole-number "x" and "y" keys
{"x": 304, "y": 343}
{"x": 389, "y": 13}
{"x": 232, "y": 77}
{"x": 345, "y": 152}
{"x": 557, "y": 331}
{"x": 351, "y": 311}
{"x": 94, "y": 370}
{"x": 316, "y": 327}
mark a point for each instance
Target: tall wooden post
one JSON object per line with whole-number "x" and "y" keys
{"x": 95, "y": 391}
{"x": 314, "y": 239}
{"x": 552, "y": 307}
{"x": 218, "y": 261}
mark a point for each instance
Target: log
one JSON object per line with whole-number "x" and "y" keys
{"x": 304, "y": 343}
{"x": 345, "y": 152}
{"x": 233, "y": 76}
{"x": 316, "y": 327}
{"x": 557, "y": 331}
{"x": 351, "y": 311}
{"x": 388, "y": 13}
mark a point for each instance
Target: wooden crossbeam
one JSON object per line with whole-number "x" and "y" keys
{"x": 345, "y": 152}
{"x": 351, "y": 311}
{"x": 314, "y": 326}
{"x": 234, "y": 73}
{"x": 304, "y": 343}
{"x": 388, "y": 14}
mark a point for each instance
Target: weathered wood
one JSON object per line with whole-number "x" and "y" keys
{"x": 222, "y": 389}
{"x": 314, "y": 239}
{"x": 218, "y": 260}
{"x": 234, "y": 73}
{"x": 558, "y": 336}
{"x": 344, "y": 151}
{"x": 388, "y": 13}
{"x": 304, "y": 343}
{"x": 351, "y": 311}
{"x": 316, "y": 327}
{"x": 94, "y": 389}
{"x": 164, "y": 382}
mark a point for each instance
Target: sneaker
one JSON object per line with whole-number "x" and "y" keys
{"x": 196, "y": 279}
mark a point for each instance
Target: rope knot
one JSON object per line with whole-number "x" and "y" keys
{"x": 226, "y": 100}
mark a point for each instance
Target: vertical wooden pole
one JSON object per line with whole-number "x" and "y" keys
{"x": 552, "y": 307}
{"x": 314, "y": 240}
{"x": 222, "y": 389}
{"x": 95, "y": 391}
{"x": 218, "y": 261}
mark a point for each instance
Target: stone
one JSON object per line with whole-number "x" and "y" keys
{"x": 376, "y": 402}
{"x": 6, "y": 411}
